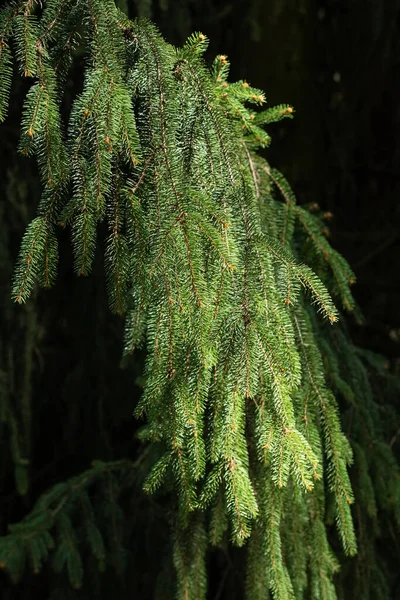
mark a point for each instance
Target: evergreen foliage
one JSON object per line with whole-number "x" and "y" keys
{"x": 53, "y": 522}
{"x": 225, "y": 283}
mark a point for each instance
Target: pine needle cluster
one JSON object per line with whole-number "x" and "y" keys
{"x": 214, "y": 266}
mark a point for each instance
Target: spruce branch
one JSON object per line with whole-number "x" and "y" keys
{"x": 210, "y": 260}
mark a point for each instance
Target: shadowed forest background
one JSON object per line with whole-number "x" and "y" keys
{"x": 338, "y": 64}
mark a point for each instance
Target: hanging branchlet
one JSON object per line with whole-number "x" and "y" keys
{"x": 50, "y": 528}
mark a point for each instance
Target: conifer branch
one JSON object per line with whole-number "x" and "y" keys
{"x": 207, "y": 262}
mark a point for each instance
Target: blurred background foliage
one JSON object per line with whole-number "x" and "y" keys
{"x": 338, "y": 64}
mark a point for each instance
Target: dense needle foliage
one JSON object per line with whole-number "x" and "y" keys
{"x": 227, "y": 286}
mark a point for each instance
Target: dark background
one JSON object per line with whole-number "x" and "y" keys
{"x": 338, "y": 64}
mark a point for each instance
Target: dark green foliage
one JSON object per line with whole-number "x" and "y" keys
{"x": 64, "y": 521}
{"x": 225, "y": 282}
